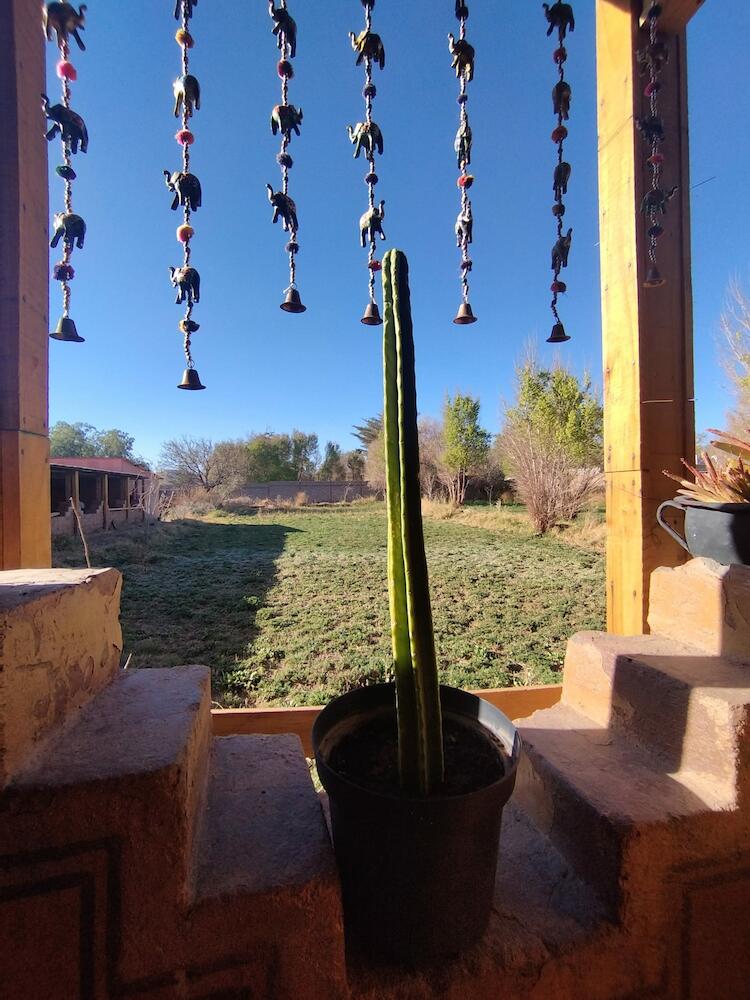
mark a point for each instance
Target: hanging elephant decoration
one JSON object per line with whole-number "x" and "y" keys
{"x": 560, "y": 18}
{"x": 187, "y": 192}
{"x": 463, "y": 63}
{"x": 651, "y": 59}
{"x": 285, "y": 120}
{"x": 63, "y": 21}
{"x": 367, "y": 138}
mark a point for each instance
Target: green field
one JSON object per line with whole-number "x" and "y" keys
{"x": 290, "y": 607}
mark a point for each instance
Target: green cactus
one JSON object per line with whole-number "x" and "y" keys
{"x": 417, "y": 688}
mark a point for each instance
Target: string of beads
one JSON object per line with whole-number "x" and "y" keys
{"x": 560, "y": 18}
{"x": 187, "y": 191}
{"x": 62, "y": 20}
{"x": 463, "y": 63}
{"x": 652, "y": 60}
{"x": 367, "y": 136}
{"x": 286, "y": 118}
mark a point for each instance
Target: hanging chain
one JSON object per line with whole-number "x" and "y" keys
{"x": 463, "y": 64}
{"x": 73, "y": 134}
{"x": 286, "y": 119}
{"x": 186, "y": 188}
{"x": 652, "y": 60}
{"x": 560, "y": 18}
{"x": 367, "y": 136}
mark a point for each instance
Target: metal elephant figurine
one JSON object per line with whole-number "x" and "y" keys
{"x": 371, "y": 224}
{"x": 656, "y": 200}
{"x": 463, "y": 57}
{"x": 561, "y": 95}
{"x": 560, "y": 16}
{"x": 462, "y": 145}
{"x": 285, "y": 118}
{"x": 66, "y": 123}
{"x": 189, "y": 5}
{"x": 284, "y": 27}
{"x": 186, "y": 189}
{"x": 63, "y": 19}
{"x": 68, "y": 227}
{"x": 464, "y": 227}
{"x": 284, "y": 209}
{"x": 367, "y": 136}
{"x": 561, "y": 178}
{"x": 187, "y": 281}
{"x": 368, "y": 45}
{"x": 187, "y": 92}
{"x": 560, "y": 251}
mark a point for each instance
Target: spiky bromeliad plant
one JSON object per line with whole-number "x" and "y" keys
{"x": 417, "y": 689}
{"x": 729, "y": 483}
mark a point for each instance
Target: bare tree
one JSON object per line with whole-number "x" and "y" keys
{"x": 190, "y": 462}
{"x": 734, "y": 352}
{"x": 548, "y": 481}
{"x": 430, "y": 452}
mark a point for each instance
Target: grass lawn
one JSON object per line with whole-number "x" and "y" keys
{"x": 290, "y": 607}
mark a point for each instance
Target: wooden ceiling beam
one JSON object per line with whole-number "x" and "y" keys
{"x": 675, "y": 14}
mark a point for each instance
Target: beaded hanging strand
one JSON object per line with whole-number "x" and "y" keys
{"x": 63, "y": 20}
{"x": 286, "y": 118}
{"x": 368, "y": 137}
{"x": 463, "y": 64}
{"x": 652, "y": 60}
{"x": 187, "y": 191}
{"x": 560, "y": 18}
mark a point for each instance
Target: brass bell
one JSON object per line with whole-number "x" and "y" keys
{"x": 558, "y": 335}
{"x": 66, "y": 330}
{"x": 190, "y": 380}
{"x": 372, "y": 315}
{"x": 464, "y": 316}
{"x": 653, "y": 278}
{"x": 292, "y": 302}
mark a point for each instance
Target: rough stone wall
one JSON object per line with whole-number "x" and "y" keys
{"x": 60, "y": 644}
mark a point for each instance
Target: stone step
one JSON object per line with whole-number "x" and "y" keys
{"x": 691, "y": 709}
{"x": 703, "y": 604}
{"x": 128, "y": 776}
{"x": 604, "y": 802}
{"x": 265, "y": 883}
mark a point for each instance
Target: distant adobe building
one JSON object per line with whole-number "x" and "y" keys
{"x": 108, "y": 492}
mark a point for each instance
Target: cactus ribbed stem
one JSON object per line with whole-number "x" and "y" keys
{"x": 417, "y": 688}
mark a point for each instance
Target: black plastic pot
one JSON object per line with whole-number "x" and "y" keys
{"x": 417, "y": 874}
{"x": 719, "y": 531}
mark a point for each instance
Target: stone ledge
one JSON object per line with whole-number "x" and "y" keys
{"x": 60, "y": 645}
{"x": 703, "y": 604}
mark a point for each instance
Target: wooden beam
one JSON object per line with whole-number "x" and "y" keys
{"x": 675, "y": 14}
{"x": 25, "y": 529}
{"x": 517, "y": 703}
{"x": 649, "y": 420}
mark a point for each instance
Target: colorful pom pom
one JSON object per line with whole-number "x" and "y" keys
{"x": 557, "y": 287}
{"x": 188, "y": 326}
{"x": 559, "y": 134}
{"x": 465, "y": 181}
{"x": 67, "y": 173}
{"x": 185, "y": 233}
{"x": 656, "y": 159}
{"x": 63, "y": 272}
{"x": 284, "y": 160}
{"x": 66, "y": 70}
{"x": 185, "y": 137}
{"x": 558, "y": 210}
{"x": 375, "y": 265}
{"x": 560, "y": 55}
{"x": 371, "y": 178}
{"x": 292, "y": 247}
{"x": 369, "y": 90}
{"x": 651, "y": 88}
{"x": 184, "y": 38}
{"x": 285, "y": 69}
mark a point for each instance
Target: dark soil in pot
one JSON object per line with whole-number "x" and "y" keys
{"x": 417, "y": 874}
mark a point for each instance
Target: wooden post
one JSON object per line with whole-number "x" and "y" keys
{"x": 25, "y": 529}
{"x": 105, "y": 501}
{"x": 76, "y": 497}
{"x": 649, "y": 422}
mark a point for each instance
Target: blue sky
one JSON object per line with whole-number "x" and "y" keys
{"x": 321, "y": 371}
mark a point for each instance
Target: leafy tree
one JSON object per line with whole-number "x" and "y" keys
{"x": 332, "y": 466}
{"x": 82, "y": 440}
{"x": 304, "y": 454}
{"x": 466, "y": 444}
{"x": 270, "y": 458}
{"x": 369, "y": 431}
{"x": 561, "y": 410}
{"x": 355, "y": 465}
{"x": 189, "y": 462}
